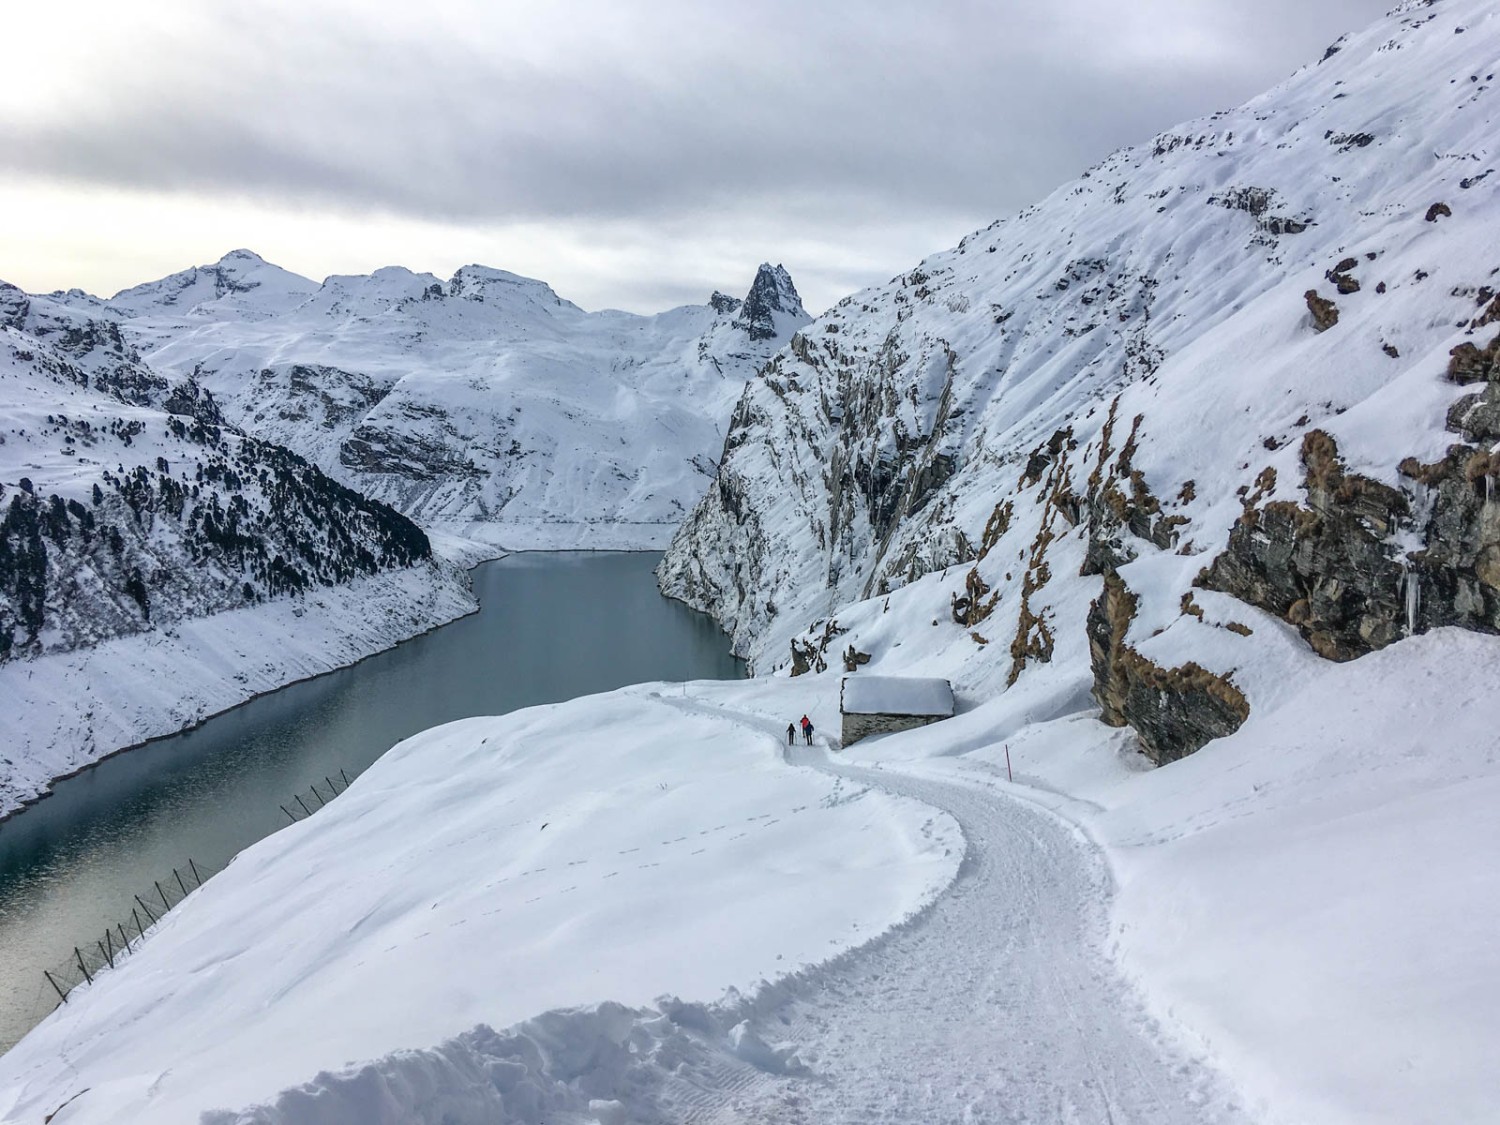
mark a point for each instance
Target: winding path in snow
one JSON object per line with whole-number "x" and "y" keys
{"x": 998, "y": 1003}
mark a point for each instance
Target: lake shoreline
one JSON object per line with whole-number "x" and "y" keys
{"x": 549, "y": 626}
{"x": 364, "y": 652}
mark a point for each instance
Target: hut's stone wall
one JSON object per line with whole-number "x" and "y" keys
{"x": 862, "y": 726}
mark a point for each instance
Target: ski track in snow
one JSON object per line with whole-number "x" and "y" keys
{"x": 995, "y": 1003}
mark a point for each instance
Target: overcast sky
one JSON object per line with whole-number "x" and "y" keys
{"x": 633, "y": 153}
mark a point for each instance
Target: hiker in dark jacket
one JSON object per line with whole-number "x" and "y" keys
{"x": 791, "y": 733}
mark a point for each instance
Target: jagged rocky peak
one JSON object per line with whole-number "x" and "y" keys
{"x": 724, "y": 304}
{"x": 772, "y": 300}
{"x": 491, "y": 286}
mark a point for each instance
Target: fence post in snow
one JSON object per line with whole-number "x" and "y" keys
{"x": 165, "y": 904}
{"x": 318, "y": 795}
{"x": 146, "y": 908}
{"x": 124, "y": 936}
{"x": 305, "y": 809}
{"x": 194, "y": 866}
{"x": 110, "y": 961}
{"x": 181, "y": 885}
{"x": 140, "y": 929}
{"x": 56, "y": 987}
{"x": 345, "y": 776}
{"x": 332, "y": 788}
{"x": 109, "y": 952}
{"x": 1008, "y": 776}
{"x": 288, "y": 812}
{"x": 82, "y": 966}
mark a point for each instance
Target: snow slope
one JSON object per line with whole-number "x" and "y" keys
{"x": 1302, "y": 916}
{"x": 67, "y": 710}
{"x": 910, "y": 428}
{"x": 486, "y": 405}
{"x": 1309, "y": 902}
{"x": 620, "y": 846}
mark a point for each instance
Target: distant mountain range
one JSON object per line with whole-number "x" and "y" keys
{"x": 486, "y": 399}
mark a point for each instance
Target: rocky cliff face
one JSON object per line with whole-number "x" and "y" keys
{"x": 484, "y": 399}
{"x": 1219, "y": 371}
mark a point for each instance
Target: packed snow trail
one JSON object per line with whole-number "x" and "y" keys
{"x": 996, "y": 1003}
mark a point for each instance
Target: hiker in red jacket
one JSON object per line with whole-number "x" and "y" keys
{"x": 807, "y": 729}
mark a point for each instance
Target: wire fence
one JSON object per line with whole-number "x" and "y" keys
{"x": 100, "y": 953}
{"x": 317, "y": 797}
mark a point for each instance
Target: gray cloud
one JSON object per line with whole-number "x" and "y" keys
{"x": 848, "y": 115}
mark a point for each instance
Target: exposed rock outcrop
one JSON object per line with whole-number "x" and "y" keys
{"x": 1119, "y": 500}
{"x": 1332, "y": 568}
{"x": 1325, "y": 313}
{"x": 1326, "y": 568}
{"x": 1174, "y": 711}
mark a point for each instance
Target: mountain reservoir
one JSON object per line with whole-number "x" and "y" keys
{"x": 552, "y": 626}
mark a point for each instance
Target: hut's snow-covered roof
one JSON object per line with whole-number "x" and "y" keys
{"x": 896, "y": 695}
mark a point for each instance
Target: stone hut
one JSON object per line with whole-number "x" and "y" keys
{"x": 883, "y": 704}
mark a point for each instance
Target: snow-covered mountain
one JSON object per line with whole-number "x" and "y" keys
{"x": 1168, "y": 449}
{"x": 240, "y": 285}
{"x": 1251, "y": 362}
{"x": 129, "y": 503}
{"x": 483, "y": 400}
{"x": 128, "y": 510}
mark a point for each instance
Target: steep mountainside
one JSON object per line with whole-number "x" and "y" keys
{"x": 487, "y": 399}
{"x": 128, "y": 504}
{"x": 1251, "y": 361}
